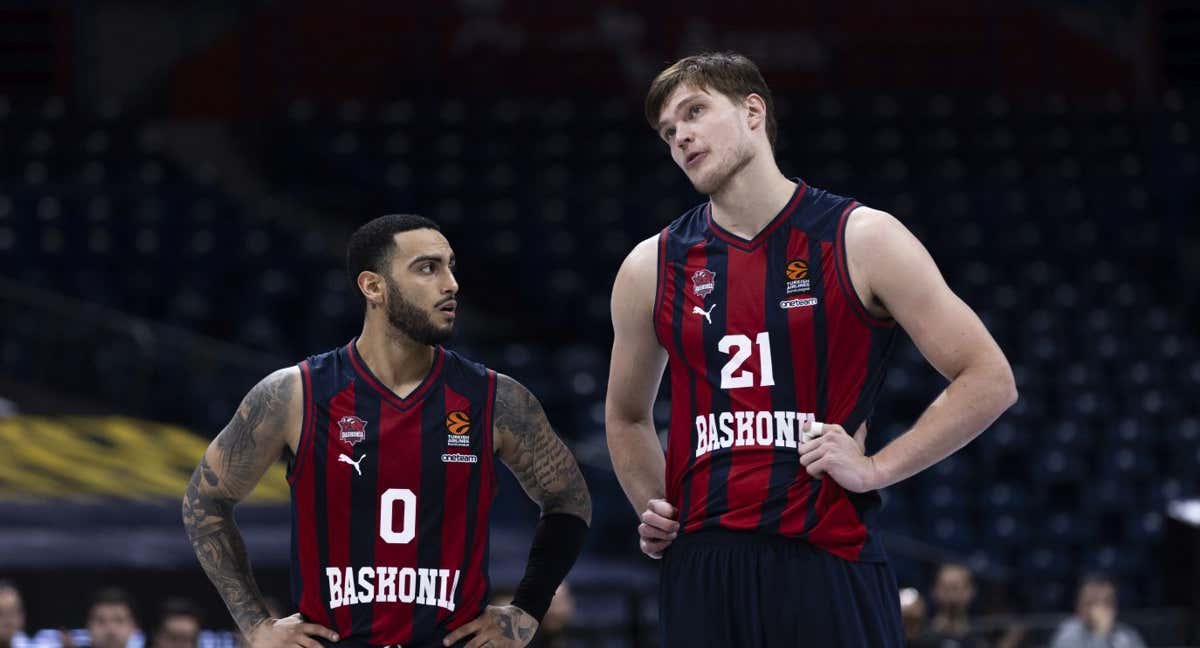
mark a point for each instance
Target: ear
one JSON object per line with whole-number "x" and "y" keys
{"x": 372, "y": 286}
{"x": 756, "y": 111}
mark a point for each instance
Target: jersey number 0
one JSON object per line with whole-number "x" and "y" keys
{"x": 408, "y": 529}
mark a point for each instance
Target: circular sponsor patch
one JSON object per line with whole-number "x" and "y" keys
{"x": 457, "y": 422}
{"x": 797, "y": 269}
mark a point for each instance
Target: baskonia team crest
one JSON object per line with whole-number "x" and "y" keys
{"x": 353, "y": 429}
{"x": 797, "y": 274}
{"x": 703, "y": 282}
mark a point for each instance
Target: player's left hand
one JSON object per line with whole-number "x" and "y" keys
{"x": 500, "y": 626}
{"x": 838, "y": 455}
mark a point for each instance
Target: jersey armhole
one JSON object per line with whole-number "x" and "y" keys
{"x": 660, "y": 287}
{"x": 303, "y": 446}
{"x": 489, "y": 431}
{"x": 843, "y": 271}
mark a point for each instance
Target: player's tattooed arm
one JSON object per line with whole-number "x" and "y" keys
{"x": 229, "y": 470}
{"x": 539, "y": 459}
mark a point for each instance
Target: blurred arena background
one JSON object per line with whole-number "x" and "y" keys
{"x": 177, "y": 182}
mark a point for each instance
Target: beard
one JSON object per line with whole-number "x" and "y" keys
{"x": 410, "y": 320}
{"x": 715, "y": 180}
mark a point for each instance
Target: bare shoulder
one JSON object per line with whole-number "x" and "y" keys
{"x": 867, "y": 229}
{"x": 280, "y": 393}
{"x": 880, "y": 253}
{"x": 642, "y": 262}
{"x": 272, "y": 409}
{"x": 637, "y": 280}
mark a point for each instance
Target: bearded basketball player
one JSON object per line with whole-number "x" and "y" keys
{"x": 390, "y": 441}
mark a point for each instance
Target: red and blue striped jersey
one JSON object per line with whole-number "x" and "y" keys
{"x": 763, "y": 334}
{"x": 390, "y": 499}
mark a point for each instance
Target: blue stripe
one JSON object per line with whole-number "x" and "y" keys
{"x": 717, "y": 260}
{"x": 431, "y": 498}
{"x": 676, "y": 253}
{"x": 816, "y": 264}
{"x": 364, "y": 498}
{"x": 323, "y": 383}
{"x": 785, "y": 464}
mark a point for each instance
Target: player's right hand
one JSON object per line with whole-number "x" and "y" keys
{"x": 658, "y": 528}
{"x": 289, "y": 631}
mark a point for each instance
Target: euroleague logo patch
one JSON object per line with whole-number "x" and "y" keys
{"x": 458, "y": 424}
{"x": 797, "y": 274}
{"x": 797, "y": 269}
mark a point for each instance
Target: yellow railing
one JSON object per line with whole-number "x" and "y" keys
{"x": 103, "y": 457}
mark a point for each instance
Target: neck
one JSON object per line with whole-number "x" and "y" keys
{"x": 753, "y": 196}
{"x": 396, "y": 359}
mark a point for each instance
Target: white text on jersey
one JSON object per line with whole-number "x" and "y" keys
{"x": 768, "y": 429}
{"x": 391, "y": 585}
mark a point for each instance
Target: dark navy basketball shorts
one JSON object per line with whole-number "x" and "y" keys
{"x": 741, "y": 590}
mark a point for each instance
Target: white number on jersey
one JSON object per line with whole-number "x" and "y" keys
{"x": 409, "y": 528}
{"x": 742, "y": 349}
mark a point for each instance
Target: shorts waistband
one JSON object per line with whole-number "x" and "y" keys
{"x": 731, "y": 538}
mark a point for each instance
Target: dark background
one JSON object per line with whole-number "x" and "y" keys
{"x": 177, "y": 182}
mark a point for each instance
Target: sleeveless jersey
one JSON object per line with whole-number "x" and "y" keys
{"x": 390, "y": 500}
{"x": 762, "y": 335}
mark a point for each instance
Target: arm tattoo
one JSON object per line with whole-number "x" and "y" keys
{"x": 211, "y": 495}
{"x": 539, "y": 459}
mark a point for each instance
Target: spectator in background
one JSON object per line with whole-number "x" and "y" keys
{"x": 912, "y": 614}
{"x": 953, "y": 593}
{"x": 1095, "y": 621}
{"x": 111, "y": 622}
{"x": 12, "y": 615}
{"x": 179, "y": 626}
{"x": 553, "y": 631}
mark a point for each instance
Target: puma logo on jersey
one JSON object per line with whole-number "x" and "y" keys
{"x": 344, "y": 459}
{"x": 696, "y": 310}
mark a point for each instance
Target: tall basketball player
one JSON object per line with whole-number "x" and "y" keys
{"x": 390, "y": 440}
{"x": 775, "y": 303}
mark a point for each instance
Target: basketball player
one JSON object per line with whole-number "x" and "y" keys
{"x": 776, "y": 304}
{"x": 390, "y": 440}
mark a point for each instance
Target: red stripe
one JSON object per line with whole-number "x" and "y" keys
{"x": 302, "y": 483}
{"x": 337, "y": 496}
{"x": 399, "y": 466}
{"x": 849, "y": 346}
{"x": 681, "y": 444}
{"x": 304, "y": 444}
{"x": 454, "y": 509}
{"x": 843, "y": 272}
{"x": 745, "y": 315}
{"x": 839, "y": 527}
{"x": 838, "y": 530}
{"x": 804, "y": 369}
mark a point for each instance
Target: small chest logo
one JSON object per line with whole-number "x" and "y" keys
{"x": 703, "y": 282}
{"x": 347, "y": 460}
{"x": 353, "y": 429}
{"x": 798, "y": 302}
{"x": 797, "y": 274}
{"x": 458, "y": 424}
